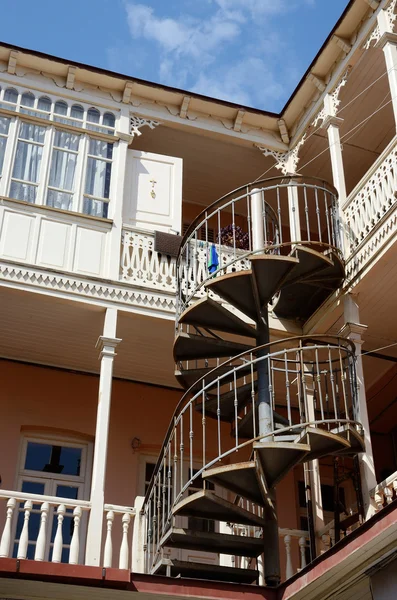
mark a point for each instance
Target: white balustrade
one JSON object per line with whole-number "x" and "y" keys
{"x": 372, "y": 198}
{"x": 384, "y": 493}
{"x": 65, "y": 510}
{"x": 298, "y": 539}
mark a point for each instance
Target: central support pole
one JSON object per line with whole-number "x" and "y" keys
{"x": 265, "y": 412}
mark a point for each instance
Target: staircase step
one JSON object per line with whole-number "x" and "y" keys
{"x": 190, "y": 346}
{"x": 190, "y": 377}
{"x": 211, "y": 314}
{"x": 236, "y": 289}
{"x": 278, "y": 458}
{"x": 175, "y": 568}
{"x": 207, "y": 505}
{"x": 350, "y": 433}
{"x": 270, "y": 271}
{"x": 221, "y": 543}
{"x": 300, "y": 300}
{"x": 334, "y": 271}
{"x": 322, "y": 442}
{"x": 310, "y": 263}
{"x": 226, "y": 402}
{"x": 242, "y": 479}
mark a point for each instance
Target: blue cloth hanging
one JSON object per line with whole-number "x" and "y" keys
{"x": 213, "y": 260}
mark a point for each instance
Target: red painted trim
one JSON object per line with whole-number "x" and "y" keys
{"x": 135, "y": 582}
{"x": 378, "y": 524}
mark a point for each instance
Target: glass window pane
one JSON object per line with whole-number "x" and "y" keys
{"x": 34, "y": 133}
{"x": 109, "y": 119}
{"x": 3, "y": 144}
{"x": 59, "y": 200}
{"x": 33, "y": 487}
{"x": 53, "y": 459}
{"x": 4, "y": 125}
{"x": 11, "y": 95}
{"x": 61, "y": 108}
{"x": 95, "y": 208}
{"x": 98, "y": 178}
{"x": 44, "y": 103}
{"x": 99, "y": 148}
{"x": 23, "y": 191}
{"x": 93, "y": 115}
{"x": 27, "y": 99}
{"x": 62, "y": 170}
{"x": 77, "y": 111}
{"x": 27, "y": 162}
{"x": 65, "y": 139}
{"x": 67, "y": 491}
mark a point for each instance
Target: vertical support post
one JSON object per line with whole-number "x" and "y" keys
{"x": 265, "y": 416}
{"x": 331, "y": 124}
{"x": 293, "y": 211}
{"x": 117, "y": 194}
{"x": 388, "y": 43}
{"x": 138, "y": 537}
{"x": 312, "y": 469}
{"x": 107, "y": 344}
{"x": 353, "y": 330}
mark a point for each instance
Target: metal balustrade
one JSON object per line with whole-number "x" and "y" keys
{"x": 312, "y": 383}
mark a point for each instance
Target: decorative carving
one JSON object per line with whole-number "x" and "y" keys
{"x": 137, "y": 122}
{"x": 153, "y": 193}
{"x": 332, "y": 101}
{"x": 391, "y": 17}
{"x": 286, "y": 162}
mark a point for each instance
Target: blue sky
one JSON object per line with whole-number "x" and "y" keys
{"x": 252, "y": 52}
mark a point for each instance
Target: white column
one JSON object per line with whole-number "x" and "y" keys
{"x": 331, "y": 124}
{"x": 138, "y": 537}
{"x": 118, "y": 185}
{"x": 353, "y": 330}
{"x": 388, "y": 43}
{"x": 293, "y": 210}
{"x": 107, "y": 344}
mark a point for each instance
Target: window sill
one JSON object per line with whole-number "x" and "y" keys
{"x": 51, "y": 209}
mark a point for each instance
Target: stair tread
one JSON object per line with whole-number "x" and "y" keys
{"x": 334, "y": 271}
{"x": 226, "y": 402}
{"x": 205, "y": 571}
{"x": 222, "y": 543}
{"x": 270, "y": 270}
{"x": 209, "y": 313}
{"x": 190, "y": 346}
{"x": 300, "y": 300}
{"x": 350, "y": 433}
{"x": 192, "y": 377}
{"x": 239, "y": 478}
{"x": 246, "y": 424}
{"x": 322, "y": 442}
{"x": 277, "y": 458}
{"x": 207, "y": 505}
{"x": 310, "y": 262}
{"x": 236, "y": 289}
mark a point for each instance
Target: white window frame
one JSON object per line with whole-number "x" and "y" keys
{"x": 51, "y": 480}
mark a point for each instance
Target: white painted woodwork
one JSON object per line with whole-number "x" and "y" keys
{"x": 288, "y": 559}
{"x": 388, "y": 43}
{"x": 75, "y": 542}
{"x": 42, "y": 537}
{"x": 385, "y": 491}
{"x": 293, "y": 210}
{"x": 353, "y": 330}
{"x": 124, "y": 552}
{"x": 153, "y": 192}
{"x": 24, "y": 539}
{"x": 108, "y": 552}
{"x": 5, "y": 542}
{"x": 138, "y": 537}
{"x": 107, "y": 344}
{"x": 58, "y": 540}
{"x": 302, "y": 551}
{"x": 258, "y": 233}
{"x": 54, "y": 239}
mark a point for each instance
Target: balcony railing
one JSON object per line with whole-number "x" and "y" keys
{"x": 51, "y": 528}
{"x": 371, "y": 200}
{"x": 385, "y": 492}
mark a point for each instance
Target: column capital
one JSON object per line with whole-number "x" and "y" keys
{"x": 387, "y": 37}
{"x": 107, "y": 346}
{"x": 331, "y": 120}
{"x": 353, "y": 331}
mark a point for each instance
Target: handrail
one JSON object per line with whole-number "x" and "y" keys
{"x": 37, "y": 498}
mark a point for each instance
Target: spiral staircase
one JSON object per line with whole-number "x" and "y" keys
{"x": 284, "y": 403}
